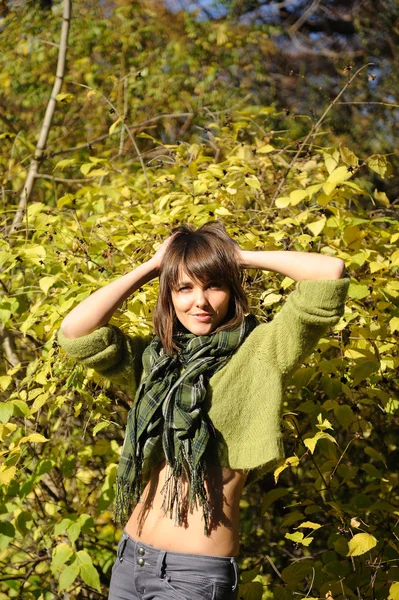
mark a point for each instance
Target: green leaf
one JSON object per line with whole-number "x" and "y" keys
{"x": 291, "y": 518}
{"x": 361, "y": 543}
{"x": 251, "y": 591}
{"x": 271, "y": 497}
{"x": 73, "y": 531}
{"x": 44, "y": 466}
{"x": 358, "y": 291}
{"x": 297, "y": 571}
{"x": 363, "y": 370}
{"x": 101, "y": 425}
{"x": 7, "y": 533}
{"x": 66, "y": 162}
{"x": 90, "y": 576}
{"x": 6, "y": 411}
{"x": 68, "y": 576}
{"x": 61, "y": 554}
{"x": 345, "y": 416}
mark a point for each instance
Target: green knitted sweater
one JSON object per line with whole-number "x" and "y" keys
{"x": 244, "y": 398}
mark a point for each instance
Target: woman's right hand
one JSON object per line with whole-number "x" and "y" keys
{"x": 156, "y": 260}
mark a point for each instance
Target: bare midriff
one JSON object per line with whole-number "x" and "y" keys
{"x": 149, "y": 524}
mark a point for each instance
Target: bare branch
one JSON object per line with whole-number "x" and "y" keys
{"x": 48, "y": 117}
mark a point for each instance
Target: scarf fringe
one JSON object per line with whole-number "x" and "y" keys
{"x": 176, "y": 503}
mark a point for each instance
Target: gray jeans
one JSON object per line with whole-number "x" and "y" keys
{"x": 142, "y": 572}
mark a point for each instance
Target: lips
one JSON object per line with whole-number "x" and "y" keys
{"x": 203, "y": 317}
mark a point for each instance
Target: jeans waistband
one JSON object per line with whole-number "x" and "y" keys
{"x": 148, "y": 557}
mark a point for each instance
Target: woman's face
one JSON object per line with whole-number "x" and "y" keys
{"x": 200, "y": 307}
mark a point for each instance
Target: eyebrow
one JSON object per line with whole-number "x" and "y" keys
{"x": 183, "y": 283}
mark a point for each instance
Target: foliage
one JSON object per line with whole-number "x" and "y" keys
{"x": 325, "y": 524}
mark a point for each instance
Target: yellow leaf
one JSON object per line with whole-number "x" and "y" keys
{"x": 253, "y": 182}
{"x": 317, "y": 226}
{"x": 329, "y": 187}
{"x": 222, "y": 212}
{"x": 292, "y": 461}
{"x": 45, "y": 283}
{"x": 348, "y": 157}
{"x": 5, "y": 381}
{"x": 36, "y": 438}
{"x": 339, "y": 175}
{"x": 67, "y": 199}
{"x": 361, "y": 543}
{"x": 394, "y": 324}
{"x": 64, "y": 98}
{"x": 321, "y": 435}
{"x": 221, "y": 34}
{"x": 297, "y": 196}
{"x": 308, "y": 525}
{"x": 34, "y": 254}
{"x": 395, "y": 256}
{"x": 6, "y": 475}
{"x": 394, "y": 591}
{"x": 114, "y": 125}
{"x": 282, "y": 202}
{"x": 331, "y": 162}
{"x": 265, "y": 149}
{"x": 378, "y": 163}
{"x": 381, "y": 198}
{"x": 377, "y": 266}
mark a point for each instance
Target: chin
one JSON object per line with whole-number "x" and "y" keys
{"x": 204, "y": 329}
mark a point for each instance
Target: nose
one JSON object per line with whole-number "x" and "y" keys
{"x": 200, "y": 298}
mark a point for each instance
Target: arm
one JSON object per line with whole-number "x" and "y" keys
{"x": 311, "y": 309}
{"x": 86, "y": 336}
{"x": 295, "y": 265}
{"x": 96, "y": 310}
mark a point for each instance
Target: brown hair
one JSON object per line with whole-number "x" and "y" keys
{"x": 206, "y": 254}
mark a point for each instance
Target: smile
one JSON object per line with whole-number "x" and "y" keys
{"x": 203, "y": 318}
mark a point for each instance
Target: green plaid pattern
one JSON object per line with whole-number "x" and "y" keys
{"x": 167, "y": 415}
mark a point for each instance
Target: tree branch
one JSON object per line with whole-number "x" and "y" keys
{"x": 48, "y": 117}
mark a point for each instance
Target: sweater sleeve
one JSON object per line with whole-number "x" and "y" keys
{"x": 110, "y": 352}
{"x": 313, "y": 307}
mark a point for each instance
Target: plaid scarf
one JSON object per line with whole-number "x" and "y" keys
{"x": 167, "y": 415}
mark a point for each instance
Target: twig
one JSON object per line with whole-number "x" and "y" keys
{"x": 127, "y": 131}
{"x": 107, "y": 135}
{"x": 314, "y": 130}
{"x": 48, "y": 117}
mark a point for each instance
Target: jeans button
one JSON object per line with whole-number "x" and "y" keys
{"x": 141, "y": 551}
{"x": 140, "y": 562}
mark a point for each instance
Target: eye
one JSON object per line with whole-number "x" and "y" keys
{"x": 216, "y": 285}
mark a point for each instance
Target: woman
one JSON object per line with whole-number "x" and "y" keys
{"x": 205, "y": 421}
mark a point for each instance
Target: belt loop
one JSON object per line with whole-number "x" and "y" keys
{"x": 121, "y": 547}
{"x": 235, "y": 567}
{"x": 160, "y": 564}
